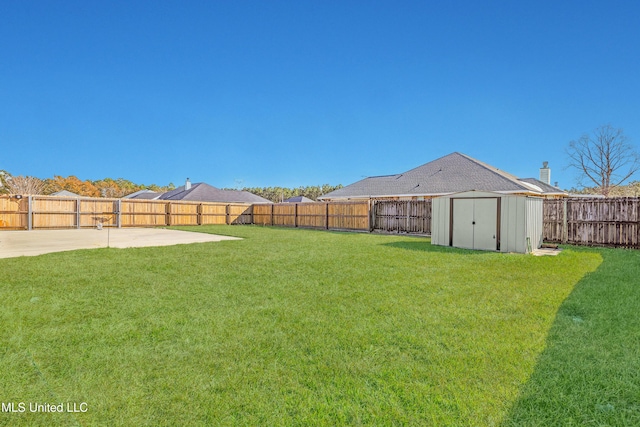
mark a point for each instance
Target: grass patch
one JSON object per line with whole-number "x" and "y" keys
{"x": 288, "y": 327}
{"x": 589, "y": 373}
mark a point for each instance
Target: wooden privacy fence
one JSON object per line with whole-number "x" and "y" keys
{"x": 322, "y": 215}
{"x": 582, "y": 221}
{"x": 47, "y": 212}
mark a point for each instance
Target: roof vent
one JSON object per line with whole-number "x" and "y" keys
{"x": 545, "y": 173}
{"x": 187, "y": 185}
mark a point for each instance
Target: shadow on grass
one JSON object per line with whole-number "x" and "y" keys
{"x": 589, "y": 372}
{"x": 426, "y": 246}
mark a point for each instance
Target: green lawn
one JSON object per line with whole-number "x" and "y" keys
{"x": 301, "y": 327}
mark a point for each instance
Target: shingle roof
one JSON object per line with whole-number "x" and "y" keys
{"x": 143, "y": 194}
{"x": 298, "y": 199}
{"x": 546, "y": 188}
{"x": 202, "y": 192}
{"x": 65, "y": 193}
{"x": 452, "y": 173}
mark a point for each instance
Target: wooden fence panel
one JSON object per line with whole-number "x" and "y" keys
{"x": 553, "y": 220}
{"x": 322, "y": 215}
{"x": 284, "y": 214}
{"x": 419, "y": 217}
{"x": 312, "y": 215}
{"x": 263, "y": 214}
{"x": 98, "y": 211}
{"x": 142, "y": 213}
{"x": 183, "y": 213}
{"x": 213, "y": 213}
{"x": 603, "y": 222}
{"x": 239, "y": 214}
{"x": 388, "y": 215}
{"x": 349, "y": 216}
{"x": 53, "y": 212}
{"x": 13, "y": 213}
{"x": 402, "y": 216}
{"x": 600, "y": 222}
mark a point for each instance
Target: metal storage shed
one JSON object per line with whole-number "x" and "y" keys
{"x": 487, "y": 221}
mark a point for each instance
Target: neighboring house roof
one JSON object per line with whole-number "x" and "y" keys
{"x": 65, "y": 193}
{"x": 452, "y": 173}
{"x": 144, "y": 195}
{"x": 587, "y": 196}
{"x": 546, "y": 188}
{"x": 202, "y": 192}
{"x": 298, "y": 199}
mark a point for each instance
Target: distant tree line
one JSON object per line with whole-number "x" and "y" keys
{"x": 630, "y": 190}
{"x": 107, "y": 187}
{"x": 120, "y": 187}
{"x": 278, "y": 194}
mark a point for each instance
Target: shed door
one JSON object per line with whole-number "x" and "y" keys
{"x": 462, "y": 223}
{"x": 475, "y": 224}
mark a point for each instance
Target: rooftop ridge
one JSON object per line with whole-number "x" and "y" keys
{"x": 496, "y": 171}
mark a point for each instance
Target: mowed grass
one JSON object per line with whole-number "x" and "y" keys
{"x": 589, "y": 373}
{"x": 301, "y": 327}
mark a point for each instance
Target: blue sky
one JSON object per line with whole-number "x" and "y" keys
{"x": 290, "y": 93}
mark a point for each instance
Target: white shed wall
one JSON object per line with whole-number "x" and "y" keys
{"x": 440, "y": 209}
{"x": 512, "y": 226}
{"x": 534, "y": 221}
{"x": 520, "y": 218}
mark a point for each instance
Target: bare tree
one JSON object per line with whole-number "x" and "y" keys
{"x": 605, "y": 158}
{"x": 24, "y": 185}
{"x": 4, "y": 176}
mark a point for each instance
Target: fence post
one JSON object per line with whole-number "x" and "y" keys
{"x": 408, "y": 207}
{"x": 372, "y": 205}
{"x": 199, "y": 214}
{"x": 295, "y": 214}
{"x": 227, "y": 217}
{"x": 430, "y": 217}
{"x": 167, "y": 211}
{"x": 78, "y": 218}
{"x": 29, "y": 213}
{"x": 326, "y": 215}
{"x": 565, "y": 230}
{"x": 118, "y": 213}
